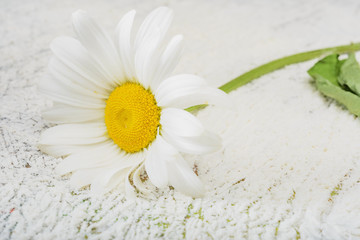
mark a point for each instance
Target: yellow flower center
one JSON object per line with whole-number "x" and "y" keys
{"x": 132, "y": 117}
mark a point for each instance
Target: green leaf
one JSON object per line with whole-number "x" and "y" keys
{"x": 327, "y": 74}
{"x": 350, "y": 100}
{"x": 328, "y": 68}
{"x": 349, "y": 76}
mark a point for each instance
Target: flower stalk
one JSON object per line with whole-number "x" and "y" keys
{"x": 278, "y": 64}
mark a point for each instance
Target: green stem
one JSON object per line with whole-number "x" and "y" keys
{"x": 285, "y": 61}
{"x": 280, "y": 63}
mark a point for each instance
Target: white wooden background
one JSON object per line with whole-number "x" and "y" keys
{"x": 290, "y": 164}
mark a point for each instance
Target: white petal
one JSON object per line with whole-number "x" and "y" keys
{"x": 125, "y": 48}
{"x": 62, "y": 73}
{"x": 181, "y": 81}
{"x": 106, "y": 182}
{"x": 205, "y": 143}
{"x": 67, "y": 134}
{"x": 84, "y": 177}
{"x": 183, "y": 178}
{"x": 134, "y": 183}
{"x": 61, "y": 113}
{"x": 155, "y": 163}
{"x": 159, "y": 19}
{"x": 168, "y": 61}
{"x": 70, "y": 52}
{"x": 130, "y": 191}
{"x": 115, "y": 173}
{"x": 207, "y": 95}
{"x": 64, "y": 150}
{"x": 130, "y": 188}
{"x": 138, "y": 183}
{"x": 99, "y": 156}
{"x": 61, "y": 79}
{"x": 180, "y": 123}
{"x": 183, "y": 91}
{"x": 148, "y": 39}
{"x": 58, "y": 92}
{"x": 146, "y": 60}
{"x": 98, "y": 43}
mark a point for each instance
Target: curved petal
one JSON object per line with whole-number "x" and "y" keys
{"x": 180, "y": 122}
{"x": 68, "y": 134}
{"x": 149, "y": 37}
{"x": 84, "y": 177}
{"x": 115, "y": 173}
{"x": 106, "y": 182}
{"x": 205, "y": 143}
{"x": 98, "y": 43}
{"x": 186, "y": 90}
{"x": 134, "y": 184}
{"x": 138, "y": 182}
{"x": 125, "y": 48}
{"x": 155, "y": 163}
{"x": 183, "y": 178}
{"x": 168, "y": 60}
{"x": 71, "y": 53}
{"x": 99, "y": 156}
{"x": 130, "y": 190}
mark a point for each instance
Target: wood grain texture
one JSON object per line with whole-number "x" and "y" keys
{"x": 288, "y": 169}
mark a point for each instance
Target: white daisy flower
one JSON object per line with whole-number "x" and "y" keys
{"x": 120, "y": 112}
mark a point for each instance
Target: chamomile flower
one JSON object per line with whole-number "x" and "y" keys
{"x": 119, "y": 111}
